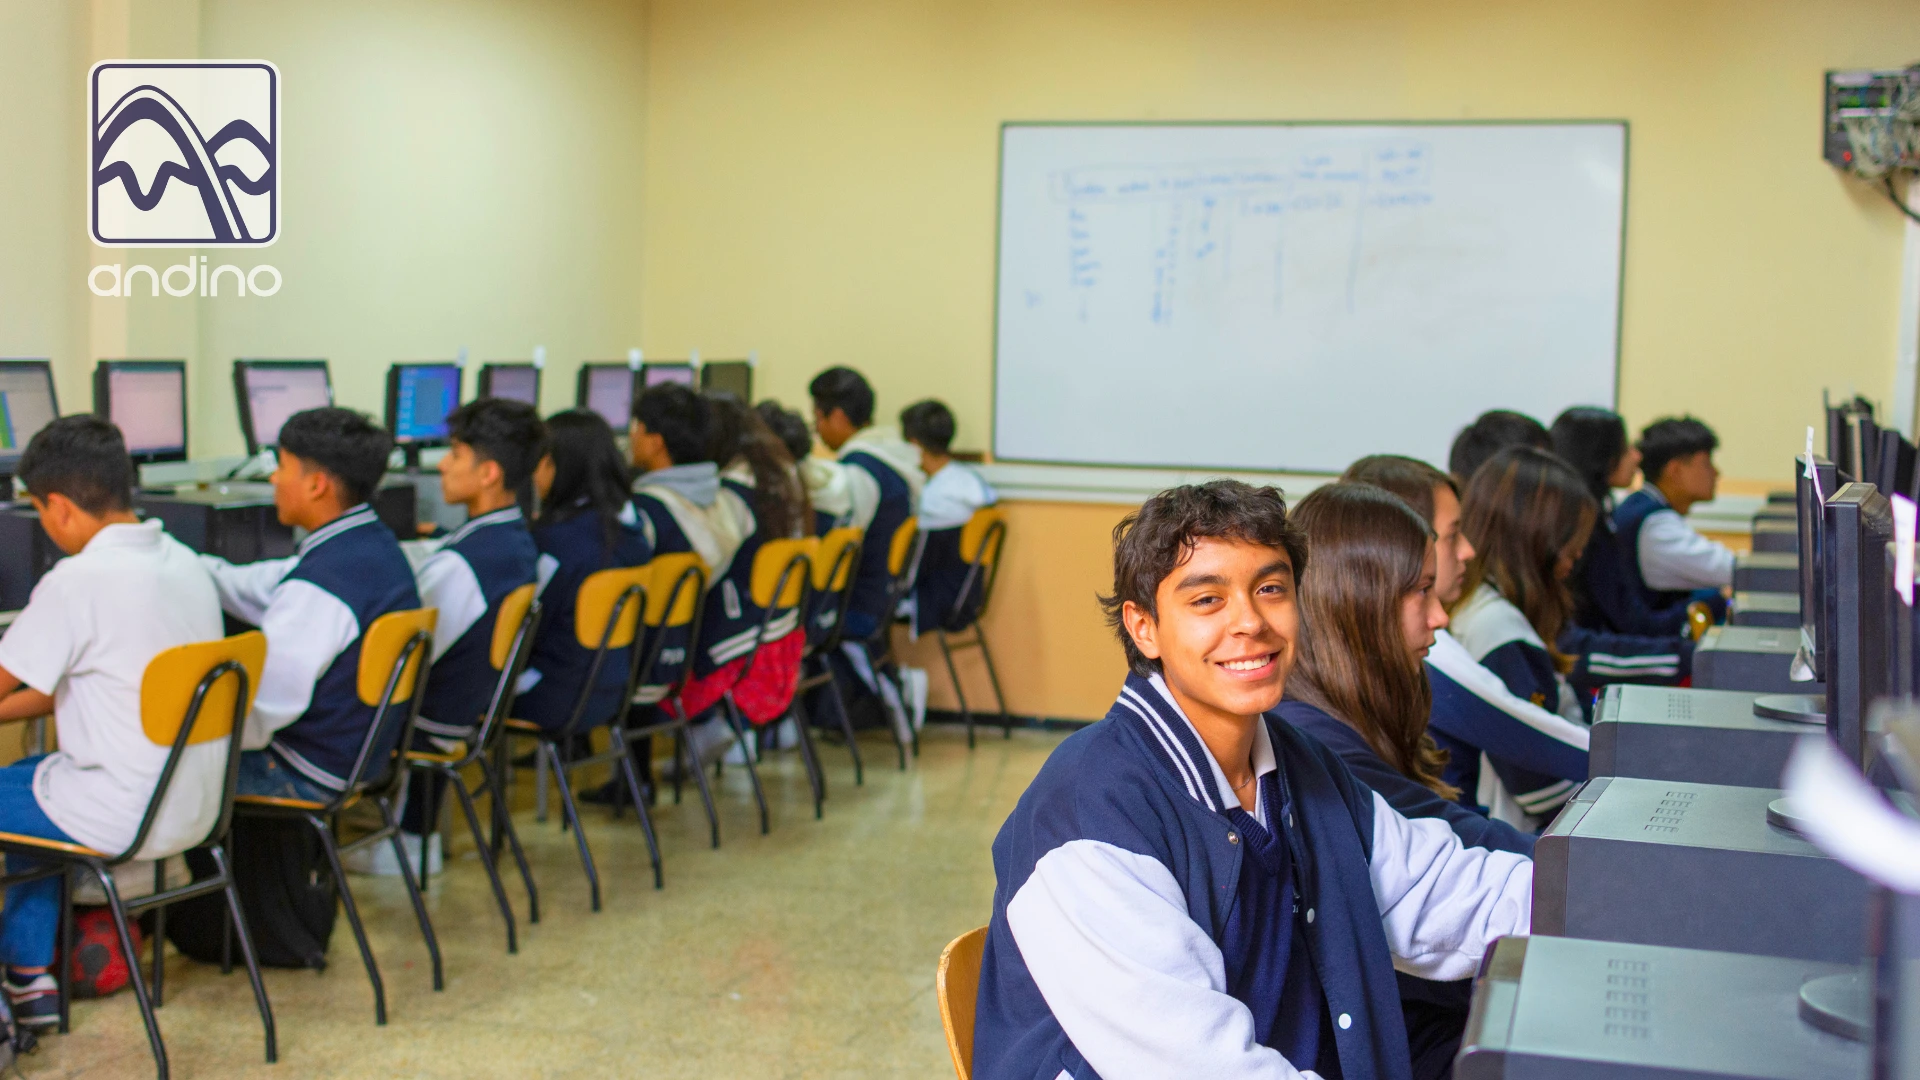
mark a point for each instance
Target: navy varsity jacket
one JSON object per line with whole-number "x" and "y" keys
{"x": 466, "y": 579}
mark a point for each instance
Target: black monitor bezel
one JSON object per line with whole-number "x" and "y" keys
{"x": 393, "y": 398}
{"x": 742, "y": 365}
{"x": 103, "y": 403}
{"x": 483, "y": 381}
{"x": 1859, "y": 526}
{"x": 586, "y": 373}
{"x": 1811, "y": 521}
{"x": 245, "y": 407}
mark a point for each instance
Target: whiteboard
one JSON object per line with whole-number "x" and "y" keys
{"x": 1294, "y": 296}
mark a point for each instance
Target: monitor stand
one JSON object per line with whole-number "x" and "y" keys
{"x": 1798, "y": 708}
{"x": 1840, "y": 1004}
{"x": 410, "y": 456}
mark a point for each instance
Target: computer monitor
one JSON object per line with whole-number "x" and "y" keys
{"x": 660, "y": 374}
{"x": 27, "y": 404}
{"x": 1893, "y": 465}
{"x": 419, "y": 397}
{"x": 1809, "y": 501}
{"x": 1863, "y": 446}
{"x": 514, "y": 382}
{"x": 269, "y": 391}
{"x": 147, "y": 401}
{"x": 1859, "y": 524}
{"x": 733, "y": 376}
{"x": 606, "y": 388}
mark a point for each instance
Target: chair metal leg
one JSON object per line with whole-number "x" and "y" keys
{"x": 237, "y": 923}
{"x": 158, "y": 942}
{"x": 66, "y": 947}
{"x": 692, "y": 765}
{"x": 133, "y": 969}
{"x": 486, "y": 856}
{"x": 632, "y": 776}
{"x": 413, "y": 892}
{"x": 993, "y": 676}
{"x": 816, "y": 779}
{"x": 954, "y": 674}
{"x": 353, "y": 918}
{"x": 570, "y": 815}
{"x": 738, "y": 723}
{"x": 503, "y": 830}
{"x": 540, "y": 785}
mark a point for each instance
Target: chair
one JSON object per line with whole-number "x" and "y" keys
{"x": 189, "y": 695}
{"x": 957, "y": 984}
{"x": 513, "y": 628}
{"x": 903, "y": 560}
{"x": 606, "y": 619}
{"x": 395, "y": 653}
{"x": 781, "y": 581}
{"x": 833, "y": 565}
{"x": 981, "y": 541}
{"x": 677, "y": 603}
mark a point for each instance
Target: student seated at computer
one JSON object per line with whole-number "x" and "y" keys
{"x": 1474, "y": 716}
{"x": 493, "y": 446}
{"x": 1149, "y": 917}
{"x": 126, "y": 593}
{"x": 825, "y": 478}
{"x": 308, "y": 722}
{"x": 1491, "y": 432}
{"x": 1670, "y": 562}
{"x": 952, "y": 495}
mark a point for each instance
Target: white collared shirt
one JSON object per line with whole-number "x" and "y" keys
{"x": 93, "y": 624}
{"x": 1674, "y": 557}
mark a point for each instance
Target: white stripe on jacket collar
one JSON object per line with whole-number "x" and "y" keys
{"x": 492, "y": 517}
{"x": 1155, "y": 713}
{"x": 352, "y": 519}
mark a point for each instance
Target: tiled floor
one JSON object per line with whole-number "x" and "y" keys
{"x": 805, "y": 953}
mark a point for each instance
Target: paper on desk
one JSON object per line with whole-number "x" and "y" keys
{"x": 1844, "y": 816}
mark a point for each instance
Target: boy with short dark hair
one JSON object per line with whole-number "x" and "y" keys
{"x": 308, "y": 722}
{"x": 1669, "y": 559}
{"x": 125, "y": 593}
{"x": 493, "y": 446}
{"x": 1491, "y": 432}
{"x": 1192, "y": 888}
{"x": 952, "y": 495}
{"x": 884, "y": 478}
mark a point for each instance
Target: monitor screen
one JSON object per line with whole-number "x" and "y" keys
{"x": 272, "y": 390}
{"x": 147, "y": 401}
{"x": 515, "y": 382}
{"x": 419, "y": 397}
{"x": 732, "y": 376}
{"x": 1893, "y": 465}
{"x": 27, "y": 404}
{"x": 608, "y": 390}
{"x": 1811, "y": 520}
{"x": 662, "y": 374}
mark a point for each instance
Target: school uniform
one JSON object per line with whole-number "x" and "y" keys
{"x": 686, "y": 508}
{"x": 1513, "y": 727}
{"x": 827, "y": 491}
{"x": 308, "y": 723}
{"x": 1669, "y": 560}
{"x": 884, "y": 482}
{"x": 570, "y": 550}
{"x": 949, "y": 500}
{"x": 1608, "y": 593}
{"x": 1145, "y": 925}
{"x": 92, "y": 625}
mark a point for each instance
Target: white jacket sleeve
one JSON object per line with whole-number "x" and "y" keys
{"x": 1673, "y": 556}
{"x": 246, "y": 590}
{"x": 306, "y": 628}
{"x": 1442, "y": 903}
{"x": 863, "y": 495}
{"x": 447, "y": 582}
{"x": 1135, "y": 984}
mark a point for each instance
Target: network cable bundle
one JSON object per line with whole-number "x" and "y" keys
{"x": 1872, "y": 125}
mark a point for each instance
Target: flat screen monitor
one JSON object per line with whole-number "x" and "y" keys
{"x": 269, "y": 391}
{"x": 147, "y": 401}
{"x": 514, "y": 382}
{"x": 1811, "y": 518}
{"x": 1893, "y": 465}
{"x": 1863, "y": 446}
{"x": 732, "y": 376}
{"x": 27, "y": 404}
{"x": 419, "y": 397}
{"x": 608, "y": 390}
{"x": 1859, "y": 524}
{"x": 660, "y": 374}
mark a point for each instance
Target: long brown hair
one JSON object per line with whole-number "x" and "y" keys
{"x": 1522, "y": 508}
{"x": 1369, "y": 549}
{"x": 780, "y": 504}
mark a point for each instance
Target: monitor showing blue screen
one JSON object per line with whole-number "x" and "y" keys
{"x": 419, "y": 397}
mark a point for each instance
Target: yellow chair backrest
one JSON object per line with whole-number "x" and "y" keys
{"x": 667, "y": 571}
{"x": 599, "y": 594}
{"x": 827, "y": 561}
{"x": 506, "y": 624}
{"x": 774, "y": 557}
{"x": 957, "y": 984}
{"x": 380, "y": 649}
{"x": 166, "y": 689}
{"x": 902, "y": 546}
{"x": 973, "y": 535}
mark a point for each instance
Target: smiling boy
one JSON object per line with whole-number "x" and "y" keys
{"x": 1190, "y": 888}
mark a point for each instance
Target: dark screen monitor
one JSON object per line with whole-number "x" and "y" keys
{"x": 514, "y": 382}
{"x": 269, "y": 391}
{"x": 1893, "y": 465}
{"x": 419, "y": 397}
{"x": 1863, "y": 446}
{"x": 1859, "y": 524}
{"x": 733, "y": 376}
{"x": 27, "y": 404}
{"x": 671, "y": 371}
{"x": 147, "y": 401}
{"x": 606, "y": 388}
{"x": 1811, "y": 519}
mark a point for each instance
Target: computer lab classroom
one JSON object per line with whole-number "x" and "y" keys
{"x": 847, "y": 538}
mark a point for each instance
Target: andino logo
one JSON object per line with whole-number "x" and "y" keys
{"x": 184, "y": 154}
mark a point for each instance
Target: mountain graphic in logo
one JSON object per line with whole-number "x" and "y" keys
{"x": 184, "y": 153}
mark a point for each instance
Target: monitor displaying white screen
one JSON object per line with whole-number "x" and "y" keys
{"x": 663, "y": 374}
{"x": 421, "y": 397}
{"x": 148, "y": 403}
{"x": 27, "y": 404}
{"x": 274, "y": 393}
{"x": 514, "y": 382}
{"x": 609, "y": 392}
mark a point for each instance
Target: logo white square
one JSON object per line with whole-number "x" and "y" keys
{"x": 184, "y": 153}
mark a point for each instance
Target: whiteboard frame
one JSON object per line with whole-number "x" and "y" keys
{"x": 999, "y": 217}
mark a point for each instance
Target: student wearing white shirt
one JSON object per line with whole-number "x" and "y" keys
{"x": 1668, "y": 557}
{"x": 126, "y": 593}
{"x": 952, "y": 495}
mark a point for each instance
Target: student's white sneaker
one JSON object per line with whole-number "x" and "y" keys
{"x": 733, "y": 756}
{"x": 376, "y": 860}
{"x": 915, "y": 682}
